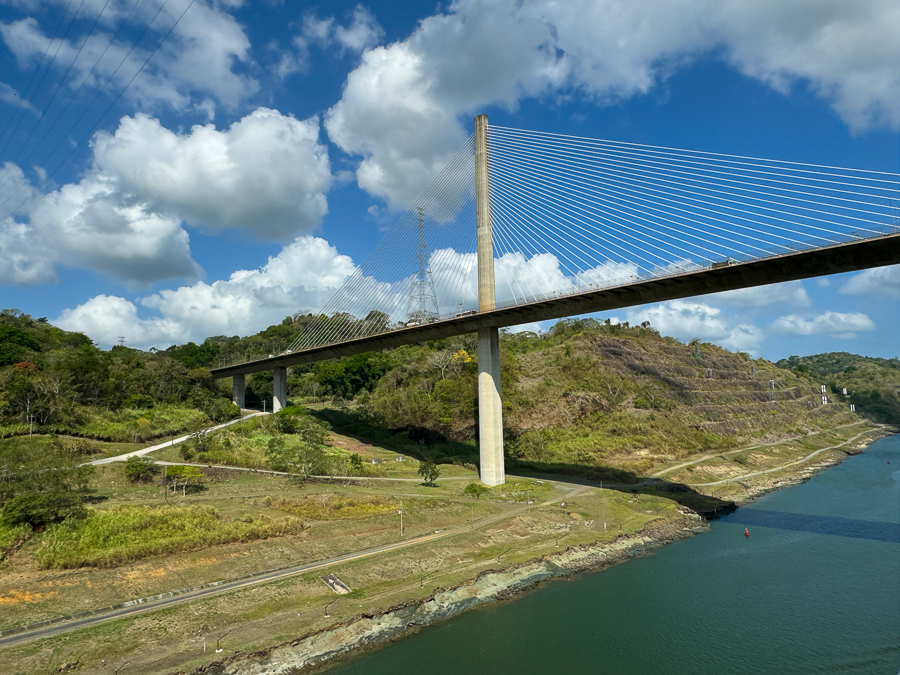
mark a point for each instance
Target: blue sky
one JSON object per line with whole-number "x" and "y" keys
{"x": 265, "y": 147}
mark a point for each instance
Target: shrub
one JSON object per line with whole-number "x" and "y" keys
{"x": 41, "y": 508}
{"x": 476, "y": 490}
{"x": 140, "y": 469}
{"x": 124, "y": 534}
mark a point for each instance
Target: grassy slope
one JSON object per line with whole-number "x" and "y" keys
{"x": 596, "y": 403}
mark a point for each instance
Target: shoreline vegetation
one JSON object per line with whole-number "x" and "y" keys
{"x": 391, "y": 598}
{"x": 323, "y": 649}
{"x": 617, "y": 439}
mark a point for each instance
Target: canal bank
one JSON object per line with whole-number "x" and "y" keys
{"x": 359, "y": 634}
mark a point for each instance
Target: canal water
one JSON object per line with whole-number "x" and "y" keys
{"x": 815, "y": 589}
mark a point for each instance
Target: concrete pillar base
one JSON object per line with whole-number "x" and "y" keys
{"x": 238, "y": 387}
{"x": 490, "y": 409}
{"x": 279, "y": 383}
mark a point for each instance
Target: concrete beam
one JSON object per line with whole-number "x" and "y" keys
{"x": 834, "y": 259}
{"x": 279, "y": 386}
{"x": 238, "y": 388}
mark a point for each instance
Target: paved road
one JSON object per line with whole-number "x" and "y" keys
{"x": 270, "y": 576}
{"x": 167, "y": 444}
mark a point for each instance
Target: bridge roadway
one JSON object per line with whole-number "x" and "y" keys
{"x": 834, "y": 259}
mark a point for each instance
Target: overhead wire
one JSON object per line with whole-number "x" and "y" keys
{"x": 579, "y": 215}
{"x": 51, "y": 175}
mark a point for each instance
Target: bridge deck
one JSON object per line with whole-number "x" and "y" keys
{"x": 835, "y": 259}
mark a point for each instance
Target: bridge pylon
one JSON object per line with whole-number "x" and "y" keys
{"x": 490, "y": 410}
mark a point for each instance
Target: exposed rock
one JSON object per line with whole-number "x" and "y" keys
{"x": 490, "y": 586}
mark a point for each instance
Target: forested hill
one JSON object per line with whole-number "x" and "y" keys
{"x": 581, "y": 389}
{"x": 55, "y": 381}
{"x": 873, "y": 384}
{"x": 582, "y": 394}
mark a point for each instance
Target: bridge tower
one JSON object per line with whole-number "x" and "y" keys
{"x": 490, "y": 411}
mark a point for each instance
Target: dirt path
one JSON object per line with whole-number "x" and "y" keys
{"x": 783, "y": 466}
{"x": 703, "y": 458}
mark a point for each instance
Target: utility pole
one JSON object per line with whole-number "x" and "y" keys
{"x": 401, "y": 520}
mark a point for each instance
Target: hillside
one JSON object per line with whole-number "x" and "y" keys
{"x": 873, "y": 384}
{"x": 54, "y": 381}
{"x": 586, "y": 397}
{"x": 671, "y": 430}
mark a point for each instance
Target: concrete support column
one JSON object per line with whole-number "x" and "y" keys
{"x": 238, "y": 387}
{"x": 279, "y": 385}
{"x": 490, "y": 410}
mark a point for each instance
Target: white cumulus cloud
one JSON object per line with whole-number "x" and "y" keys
{"x": 87, "y": 225}
{"x": 790, "y": 293}
{"x": 881, "y": 282}
{"x": 304, "y": 275}
{"x": 688, "y": 319}
{"x": 834, "y": 324}
{"x": 197, "y": 60}
{"x": 267, "y": 173}
{"x": 683, "y": 319}
{"x": 401, "y": 108}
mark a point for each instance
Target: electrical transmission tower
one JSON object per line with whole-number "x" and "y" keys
{"x": 423, "y": 304}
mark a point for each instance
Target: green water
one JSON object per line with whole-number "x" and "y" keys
{"x": 815, "y": 589}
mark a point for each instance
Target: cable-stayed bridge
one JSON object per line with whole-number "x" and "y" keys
{"x": 523, "y": 226}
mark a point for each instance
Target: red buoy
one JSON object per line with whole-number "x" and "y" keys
{"x": 746, "y": 532}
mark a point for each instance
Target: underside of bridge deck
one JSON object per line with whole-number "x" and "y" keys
{"x": 847, "y": 257}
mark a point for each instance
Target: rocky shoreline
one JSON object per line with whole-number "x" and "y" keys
{"x": 313, "y": 651}
{"x": 763, "y": 485}
{"x": 318, "y": 650}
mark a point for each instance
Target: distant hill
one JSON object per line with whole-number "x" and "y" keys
{"x": 873, "y": 384}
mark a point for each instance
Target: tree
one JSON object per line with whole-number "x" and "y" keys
{"x": 441, "y": 361}
{"x": 186, "y": 474}
{"x": 429, "y": 471}
{"x": 356, "y": 464}
{"x": 140, "y": 469}
{"x": 56, "y": 470}
{"x": 42, "y": 508}
{"x": 302, "y": 450}
{"x": 476, "y": 490}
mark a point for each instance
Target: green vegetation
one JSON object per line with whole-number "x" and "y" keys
{"x": 477, "y": 490}
{"x": 429, "y": 471}
{"x": 188, "y": 476}
{"x": 47, "y": 486}
{"x": 123, "y": 534}
{"x": 53, "y": 381}
{"x": 140, "y": 469}
{"x": 11, "y": 536}
{"x": 331, "y": 507}
{"x": 873, "y": 384}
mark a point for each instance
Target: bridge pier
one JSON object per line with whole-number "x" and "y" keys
{"x": 279, "y": 387}
{"x": 238, "y": 388}
{"x": 490, "y": 406}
